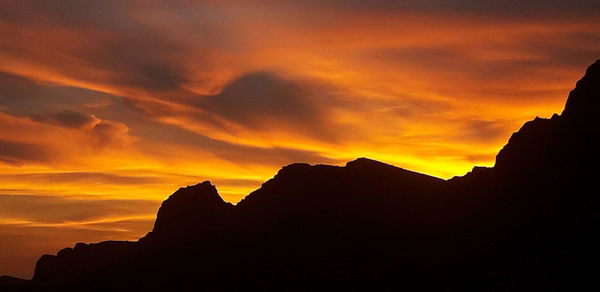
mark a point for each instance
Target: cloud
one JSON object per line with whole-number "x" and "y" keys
{"x": 84, "y": 178}
{"x": 256, "y": 96}
{"x": 124, "y": 121}
{"x": 23, "y": 96}
{"x": 68, "y": 118}
{"x": 257, "y": 109}
{"x": 263, "y": 100}
{"x": 56, "y": 105}
{"x": 113, "y": 44}
{"x": 529, "y": 57}
{"x": 165, "y": 136}
{"x": 17, "y": 153}
{"x": 55, "y": 209}
{"x": 504, "y": 8}
{"x": 108, "y": 133}
{"x": 485, "y": 131}
{"x": 206, "y": 79}
{"x": 64, "y": 138}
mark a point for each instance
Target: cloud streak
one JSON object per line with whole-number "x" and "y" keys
{"x": 16, "y": 153}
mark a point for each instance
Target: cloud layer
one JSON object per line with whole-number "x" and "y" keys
{"x": 106, "y": 107}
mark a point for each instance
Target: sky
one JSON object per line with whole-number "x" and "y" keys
{"x": 107, "y": 107}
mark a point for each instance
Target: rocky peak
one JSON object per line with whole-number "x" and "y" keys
{"x": 548, "y": 143}
{"x": 190, "y": 208}
{"x": 365, "y": 163}
{"x": 584, "y": 101}
{"x": 204, "y": 194}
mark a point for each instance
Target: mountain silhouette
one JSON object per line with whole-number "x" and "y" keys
{"x": 528, "y": 223}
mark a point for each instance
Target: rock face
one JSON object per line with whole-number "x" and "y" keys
{"x": 583, "y": 102}
{"x": 190, "y": 210}
{"x": 529, "y": 223}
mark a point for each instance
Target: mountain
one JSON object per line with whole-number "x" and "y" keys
{"x": 528, "y": 223}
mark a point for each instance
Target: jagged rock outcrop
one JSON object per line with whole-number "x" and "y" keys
{"x": 529, "y": 223}
{"x": 584, "y": 101}
{"x": 190, "y": 210}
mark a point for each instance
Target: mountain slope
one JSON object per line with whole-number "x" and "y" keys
{"x": 528, "y": 223}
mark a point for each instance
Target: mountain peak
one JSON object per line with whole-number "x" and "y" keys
{"x": 530, "y": 218}
{"x": 189, "y": 208}
{"x": 364, "y": 162}
{"x": 584, "y": 101}
{"x": 204, "y": 193}
{"x": 567, "y": 141}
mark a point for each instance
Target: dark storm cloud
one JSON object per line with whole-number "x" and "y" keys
{"x": 17, "y": 153}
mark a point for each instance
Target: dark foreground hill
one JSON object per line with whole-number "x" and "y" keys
{"x": 529, "y": 223}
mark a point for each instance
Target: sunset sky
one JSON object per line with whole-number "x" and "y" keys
{"x": 107, "y": 107}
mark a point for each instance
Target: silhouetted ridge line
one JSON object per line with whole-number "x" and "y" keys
{"x": 561, "y": 140}
{"x": 529, "y": 223}
{"x": 583, "y": 103}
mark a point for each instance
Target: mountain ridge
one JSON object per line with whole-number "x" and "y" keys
{"x": 525, "y": 224}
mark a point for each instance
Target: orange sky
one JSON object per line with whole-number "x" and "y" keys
{"x": 107, "y": 107}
